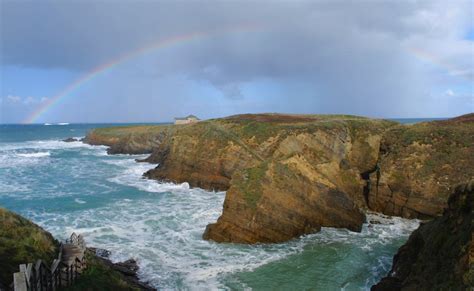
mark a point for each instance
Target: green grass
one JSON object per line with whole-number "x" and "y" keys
{"x": 249, "y": 182}
{"x": 22, "y": 241}
{"x": 120, "y": 131}
{"x": 99, "y": 277}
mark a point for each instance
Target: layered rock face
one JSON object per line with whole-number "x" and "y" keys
{"x": 204, "y": 154}
{"x": 419, "y": 164}
{"x": 285, "y": 175}
{"x": 288, "y": 175}
{"x": 439, "y": 255}
{"x": 309, "y": 179}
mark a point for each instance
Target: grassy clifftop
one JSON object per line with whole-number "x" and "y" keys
{"x": 420, "y": 164}
{"x": 133, "y": 139}
{"x": 22, "y": 241}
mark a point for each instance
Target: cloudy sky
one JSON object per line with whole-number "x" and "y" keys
{"x": 144, "y": 61}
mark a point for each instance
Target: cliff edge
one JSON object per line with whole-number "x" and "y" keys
{"x": 439, "y": 255}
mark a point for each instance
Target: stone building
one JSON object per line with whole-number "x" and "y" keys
{"x": 186, "y": 120}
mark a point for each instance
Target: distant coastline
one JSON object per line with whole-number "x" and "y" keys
{"x": 407, "y": 120}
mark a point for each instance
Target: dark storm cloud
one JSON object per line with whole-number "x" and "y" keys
{"x": 345, "y": 49}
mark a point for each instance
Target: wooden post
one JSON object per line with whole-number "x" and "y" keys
{"x": 19, "y": 282}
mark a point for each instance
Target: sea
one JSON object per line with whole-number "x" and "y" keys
{"x": 74, "y": 187}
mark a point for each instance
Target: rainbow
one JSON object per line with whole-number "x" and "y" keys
{"x": 451, "y": 69}
{"x": 153, "y": 47}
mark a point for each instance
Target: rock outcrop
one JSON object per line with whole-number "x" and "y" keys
{"x": 439, "y": 255}
{"x": 288, "y": 175}
{"x": 126, "y": 273}
{"x": 70, "y": 139}
{"x": 139, "y": 139}
{"x": 310, "y": 178}
{"x": 419, "y": 164}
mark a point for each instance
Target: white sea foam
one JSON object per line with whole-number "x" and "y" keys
{"x": 164, "y": 233}
{"x": 79, "y": 201}
{"x": 47, "y": 145}
{"x": 162, "y": 224}
{"x": 34, "y": 155}
{"x": 63, "y": 123}
{"x": 132, "y": 175}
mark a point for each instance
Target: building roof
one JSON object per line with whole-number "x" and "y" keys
{"x": 187, "y": 117}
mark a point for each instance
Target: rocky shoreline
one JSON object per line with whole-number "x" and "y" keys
{"x": 128, "y": 269}
{"x": 288, "y": 175}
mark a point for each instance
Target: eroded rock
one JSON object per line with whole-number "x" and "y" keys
{"x": 439, "y": 255}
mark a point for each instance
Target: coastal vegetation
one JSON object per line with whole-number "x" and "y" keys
{"x": 22, "y": 241}
{"x": 100, "y": 276}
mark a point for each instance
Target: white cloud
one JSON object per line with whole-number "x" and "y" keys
{"x": 27, "y": 101}
{"x": 14, "y": 99}
{"x": 449, "y": 92}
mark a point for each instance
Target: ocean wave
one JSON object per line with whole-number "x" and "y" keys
{"x": 164, "y": 233}
{"x": 47, "y": 145}
{"x": 132, "y": 175}
{"x": 79, "y": 201}
{"x": 161, "y": 226}
{"x": 34, "y": 155}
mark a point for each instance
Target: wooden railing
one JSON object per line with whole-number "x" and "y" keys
{"x": 63, "y": 271}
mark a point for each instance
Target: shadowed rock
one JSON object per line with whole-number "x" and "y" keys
{"x": 70, "y": 139}
{"x": 439, "y": 255}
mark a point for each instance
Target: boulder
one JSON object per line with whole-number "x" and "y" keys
{"x": 70, "y": 139}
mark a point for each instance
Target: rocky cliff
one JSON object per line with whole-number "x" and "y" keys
{"x": 439, "y": 255}
{"x": 137, "y": 139}
{"x": 309, "y": 177}
{"x": 419, "y": 164}
{"x": 288, "y": 175}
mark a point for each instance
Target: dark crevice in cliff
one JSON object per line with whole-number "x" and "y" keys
{"x": 368, "y": 182}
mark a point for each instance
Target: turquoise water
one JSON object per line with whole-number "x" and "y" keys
{"x": 68, "y": 187}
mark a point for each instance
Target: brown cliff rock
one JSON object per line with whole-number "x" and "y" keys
{"x": 419, "y": 165}
{"x": 310, "y": 177}
{"x": 204, "y": 154}
{"x": 439, "y": 255}
{"x": 135, "y": 139}
{"x": 287, "y": 175}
